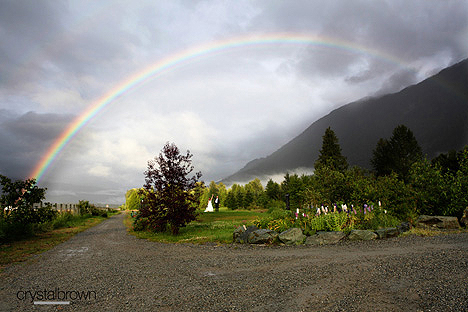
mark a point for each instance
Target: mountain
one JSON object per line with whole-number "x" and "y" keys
{"x": 436, "y": 110}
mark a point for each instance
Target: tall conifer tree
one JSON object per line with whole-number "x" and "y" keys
{"x": 330, "y": 154}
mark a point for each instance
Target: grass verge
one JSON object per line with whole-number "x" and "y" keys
{"x": 432, "y": 232}
{"x": 214, "y": 227}
{"x": 22, "y": 250}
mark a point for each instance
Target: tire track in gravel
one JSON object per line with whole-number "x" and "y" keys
{"x": 130, "y": 274}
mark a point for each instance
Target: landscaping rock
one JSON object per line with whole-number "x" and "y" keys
{"x": 387, "y": 233}
{"x": 241, "y": 234}
{"x": 404, "y": 227}
{"x": 325, "y": 238}
{"x": 440, "y": 222}
{"x": 362, "y": 235}
{"x": 262, "y": 236}
{"x": 292, "y": 236}
{"x": 464, "y": 219}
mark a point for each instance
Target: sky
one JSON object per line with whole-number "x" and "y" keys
{"x": 230, "y": 81}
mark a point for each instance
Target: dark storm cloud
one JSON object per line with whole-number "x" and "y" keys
{"x": 24, "y": 138}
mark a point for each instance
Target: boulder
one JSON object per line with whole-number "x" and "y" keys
{"x": 464, "y": 219}
{"x": 292, "y": 236}
{"x": 325, "y": 238}
{"x": 404, "y": 227}
{"x": 387, "y": 232}
{"x": 241, "y": 234}
{"x": 262, "y": 236}
{"x": 440, "y": 222}
{"x": 362, "y": 235}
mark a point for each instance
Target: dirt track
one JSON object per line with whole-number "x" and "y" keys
{"x": 122, "y": 273}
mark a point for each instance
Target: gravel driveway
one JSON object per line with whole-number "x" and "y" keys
{"x": 118, "y": 272}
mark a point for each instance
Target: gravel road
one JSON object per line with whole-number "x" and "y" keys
{"x": 120, "y": 272}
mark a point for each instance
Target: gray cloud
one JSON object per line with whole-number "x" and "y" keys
{"x": 227, "y": 107}
{"x": 24, "y": 137}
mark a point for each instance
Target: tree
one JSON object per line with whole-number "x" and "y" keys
{"x": 133, "y": 199}
{"x": 20, "y": 196}
{"x": 272, "y": 190}
{"x": 398, "y": 154}
{"x": 169, "y": 199}
{"x": 198, "y": 192}
{"x": 26, "y": 192}
{"x": 330, "y": 154}
{"x": 382, "y": 161}
{"x": 254, "y": 190}
{"x": 448, "y": 163}
{"x": 230, "y": 201}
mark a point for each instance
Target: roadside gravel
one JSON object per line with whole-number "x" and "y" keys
{"x": 123, "y": 273}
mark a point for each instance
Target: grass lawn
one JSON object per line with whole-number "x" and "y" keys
{"x": 22, "y": 250}
{"x": 209, "y": 227}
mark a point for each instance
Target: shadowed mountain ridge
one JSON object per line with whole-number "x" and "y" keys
{"x": 436, "y": 110}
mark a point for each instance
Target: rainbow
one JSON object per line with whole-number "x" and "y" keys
{"x": 180, "y": 58}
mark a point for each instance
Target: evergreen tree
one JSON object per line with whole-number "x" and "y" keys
{"x": 382, "y": 160}
{"x": 330, "y": 154}
{"x": 398, "y": 154}
{"x": 272, "y": 190}
{"x": 230, "y": 200}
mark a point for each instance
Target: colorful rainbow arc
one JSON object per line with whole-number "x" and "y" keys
{"x": 184, "y": 56}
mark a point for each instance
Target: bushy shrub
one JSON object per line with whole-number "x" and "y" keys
{"x": 62, "y": 220}
{"x": 24, "y": 214}
{"x": 276, "y": 205}
{"x": 278, "y": 220}
{"x": 439, "y": 192}
{"x": 10, "y": 231}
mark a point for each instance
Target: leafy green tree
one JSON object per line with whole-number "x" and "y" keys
{"x": 20, "y": 196}
{"x": 169, "y": 200}
{"x": 438, "y": 189}
{"x": 430, "y": 188}
{"x": 296, "y": 187}
{"x": 328, "y": 187}
{"x": 398, "y": 154}
{"x": 25, "y": 192}
{"x": 198, "y": 192}
{"x": 396, "y": 197}
{"x": 330, "y": 154}
{"x": 213, "y": 190}
{"x": 222, "y": 192}
{"x": 133, "y": 199}
{"x": 254, "y": 191}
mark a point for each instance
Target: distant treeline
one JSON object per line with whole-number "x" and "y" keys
{"x": 403, "y": 180}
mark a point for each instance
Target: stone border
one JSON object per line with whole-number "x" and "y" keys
{"x": 295, "y": 236}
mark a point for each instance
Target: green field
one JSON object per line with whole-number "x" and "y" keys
{"x": 209, "y": 227}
